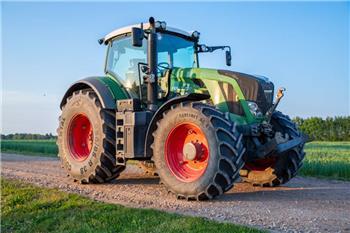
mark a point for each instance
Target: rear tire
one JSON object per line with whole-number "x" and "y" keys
{"x": 89, "y": 160}
{"x": 215, "y": 169}
{"x": 285, "y": 166}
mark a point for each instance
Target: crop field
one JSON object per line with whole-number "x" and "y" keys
{"x": 31, "y": 147}
{"x": 323, "y": 159}
{"x": 327, "y": 160}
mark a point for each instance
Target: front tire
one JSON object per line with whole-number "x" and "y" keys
{"x": 197, "y": 151}
{"x": 86, "y": 139}
{"x": 278, "y": 169}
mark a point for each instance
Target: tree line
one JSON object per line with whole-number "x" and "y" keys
{"x": 328, "y": 129}
{"x": 27, "y": 136}
{"x": 317, "y": 128}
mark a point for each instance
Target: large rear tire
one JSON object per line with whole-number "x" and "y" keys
{"x": 86, "y": 139}
{"x": 197, "y": 151}
{"x": 281, "y": 168}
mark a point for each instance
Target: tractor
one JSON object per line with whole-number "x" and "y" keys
{"x": 200, "y": 130}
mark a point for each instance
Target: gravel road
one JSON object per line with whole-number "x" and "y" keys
{"x": 302, "y": 205}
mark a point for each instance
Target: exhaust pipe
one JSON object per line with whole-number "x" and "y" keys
{"x": 152, "y": 84}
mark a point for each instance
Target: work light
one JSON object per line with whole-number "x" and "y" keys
{"x": 160, "y": 25}
{"x": 196, "y": 34}
{"x": 163, "y": 25}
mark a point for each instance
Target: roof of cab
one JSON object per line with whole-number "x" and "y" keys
{"x": 127, "y": 29}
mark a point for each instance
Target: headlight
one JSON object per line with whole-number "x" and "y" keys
{"x": 254, "y": 108}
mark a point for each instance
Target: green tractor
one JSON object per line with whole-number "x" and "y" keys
{"x": 201, "y": 130}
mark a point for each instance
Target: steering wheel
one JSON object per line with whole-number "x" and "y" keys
{"x": 163, "y": 65}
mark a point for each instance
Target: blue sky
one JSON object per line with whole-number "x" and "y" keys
{"x": 299, "y": 45}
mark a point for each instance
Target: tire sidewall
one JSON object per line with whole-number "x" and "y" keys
{"x": 174, "y": 118}
{"x": 80, "y": 103}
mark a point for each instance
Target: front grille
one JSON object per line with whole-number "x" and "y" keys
{"x": 268, "y": 91}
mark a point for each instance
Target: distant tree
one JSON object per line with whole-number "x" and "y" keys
{"x": 27, "y": 136}
{"x": 329, "y": 129}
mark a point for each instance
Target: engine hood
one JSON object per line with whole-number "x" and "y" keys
{"x": 255, "y": 88}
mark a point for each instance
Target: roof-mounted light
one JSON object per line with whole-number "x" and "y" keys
{"x": 157, "y": 24}
{"x": 163, "y": 25}
{"x": 160, "y": 25}
{"x": 195, "y": 34}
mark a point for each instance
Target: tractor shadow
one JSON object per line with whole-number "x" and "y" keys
{"x": 137, "y": 180}
{"x": 295, "y": 193}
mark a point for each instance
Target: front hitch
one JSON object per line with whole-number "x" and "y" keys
{"x": 273, "y": 147}
{"x": 279, "y": 96}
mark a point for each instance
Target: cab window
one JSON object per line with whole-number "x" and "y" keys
{"x": 123, "y": 60}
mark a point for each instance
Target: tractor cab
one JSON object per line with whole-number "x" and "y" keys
{"x": 127, "y": 55}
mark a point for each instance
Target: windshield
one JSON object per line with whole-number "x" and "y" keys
{"x": 175, "y": 51}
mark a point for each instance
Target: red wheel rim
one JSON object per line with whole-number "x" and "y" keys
{"x": 260, "y": 164}
{"x": 187, "y": 165}
{"x": 80, "y": 136}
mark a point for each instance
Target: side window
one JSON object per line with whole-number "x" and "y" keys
{"x": 123, "y": 60}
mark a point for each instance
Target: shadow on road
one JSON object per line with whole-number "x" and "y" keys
{"x": 290, "y": 194}
{"x": 136, "y": 180}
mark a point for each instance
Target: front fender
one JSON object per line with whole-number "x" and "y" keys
{"x": 159, "y": 114}
{"x": 107, "y": 89}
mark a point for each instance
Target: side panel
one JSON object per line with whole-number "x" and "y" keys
{"x": 107, "y": 89}
{"x": 210, "y": 81}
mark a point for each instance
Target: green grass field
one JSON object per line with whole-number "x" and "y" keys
{"x": 27, "y": 208}
{"x": 327, "y": 160}
{"x": 323, "y": 159}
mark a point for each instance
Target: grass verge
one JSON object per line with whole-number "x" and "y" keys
{"x": 27, "y": 208}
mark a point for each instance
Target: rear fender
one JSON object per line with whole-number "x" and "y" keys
{"x": 107, "y": 89}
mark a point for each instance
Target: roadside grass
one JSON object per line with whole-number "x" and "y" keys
{"x": 30, "y": 147}
{"x": 327, "y": 160}
{"x": 27, "y": 208}
{"x": 323, "y": 159}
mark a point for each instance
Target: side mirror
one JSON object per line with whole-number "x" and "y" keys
{"x": 137, "y": 36}
{"x": 228, "y": 58}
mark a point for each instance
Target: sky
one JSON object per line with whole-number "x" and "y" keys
{"x": 302, "y": 46}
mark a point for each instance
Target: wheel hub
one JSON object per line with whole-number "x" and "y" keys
{"x": 193, "y": 151}
{"x": 189, "y": 151}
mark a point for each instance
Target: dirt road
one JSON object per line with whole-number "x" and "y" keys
{"x": 303, "y": 205}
